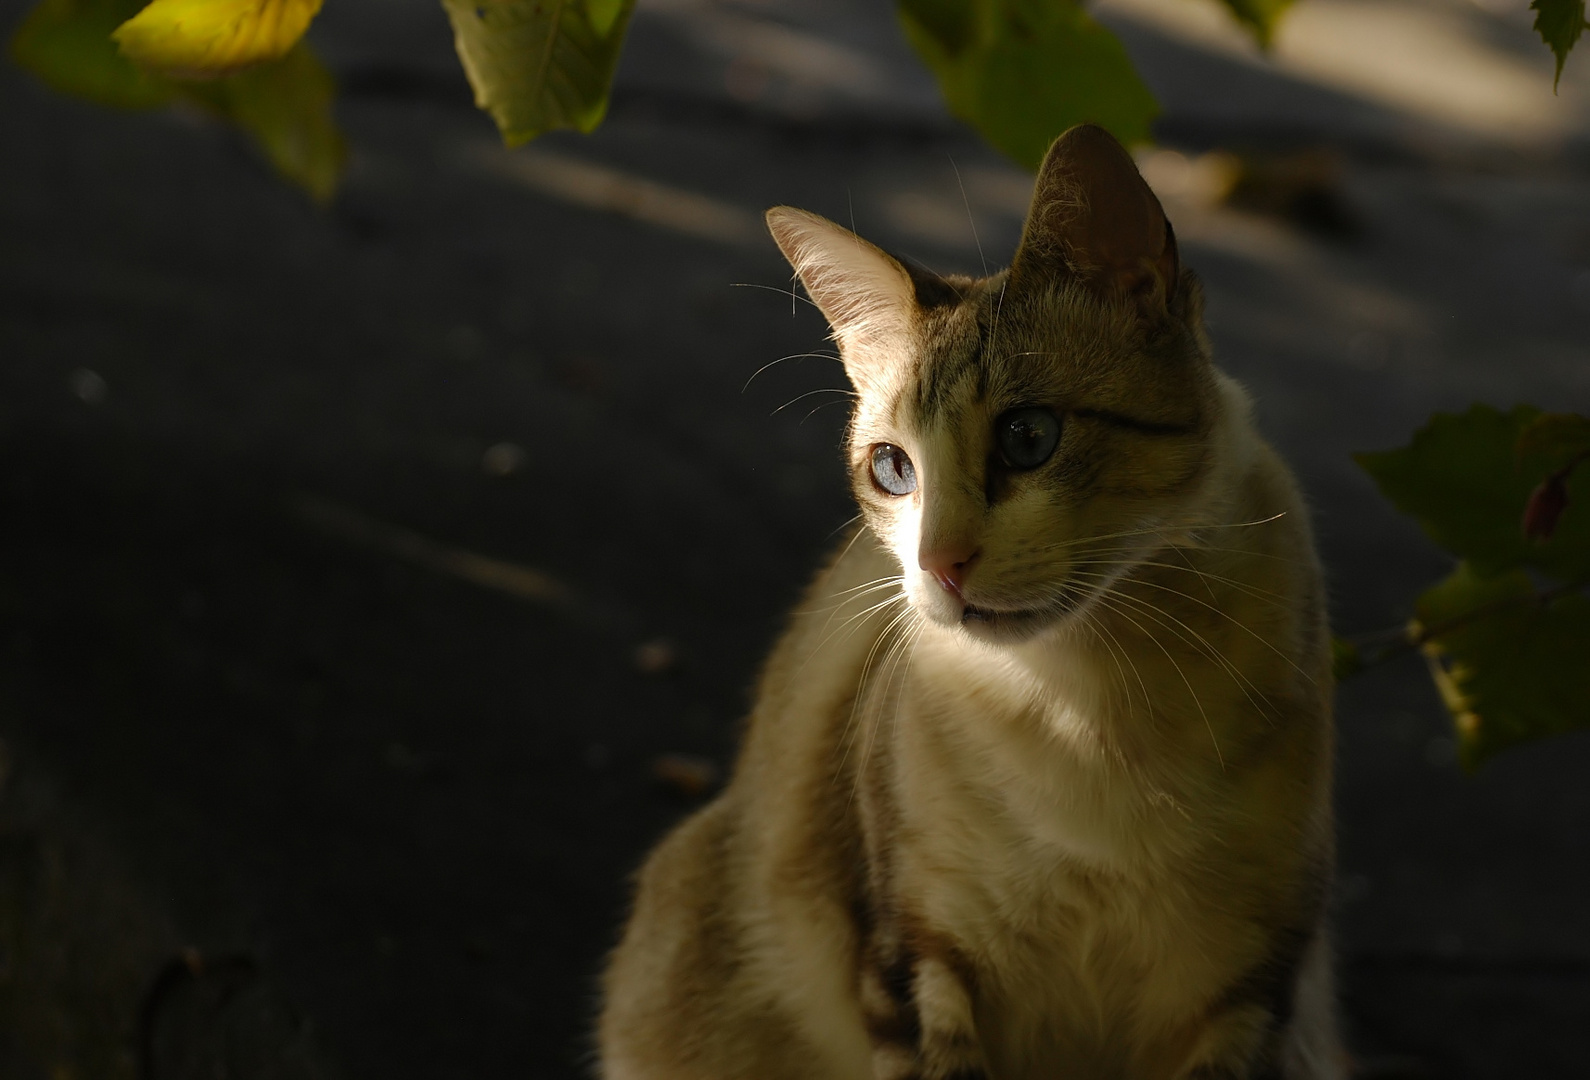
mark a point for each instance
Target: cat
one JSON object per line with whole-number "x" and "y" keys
{"x": 1037, "y": 783}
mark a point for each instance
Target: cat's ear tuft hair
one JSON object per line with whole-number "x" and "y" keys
{"x": 867, "y": 296}
{"x": 1095, "y": 219}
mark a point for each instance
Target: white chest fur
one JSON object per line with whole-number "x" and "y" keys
{"x": 1082, "y": 878}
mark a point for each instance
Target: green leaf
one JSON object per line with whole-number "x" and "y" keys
{"x": 67, "y": 44}
{"x": 537, "y": 65}
{"x": 1558, "y": 438}
{"x": 1259, "y": 16}
{"x": 1510, "y": 666}
{"x": 950, "y": 23}
{"x": 1347, "y": 659}
{"x": 1023, "y": 71}
{"x": 1559, "y": 24}
{"x": 285, "y": 108}
{"x": 1464, "y": 480}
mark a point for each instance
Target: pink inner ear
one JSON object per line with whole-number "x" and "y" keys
{"x": 863, "y": 292}
{"x": 1094, "y": 216}
{"x": 1124, "y": 231}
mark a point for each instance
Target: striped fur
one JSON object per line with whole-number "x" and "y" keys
{"x": 1074, "y": 819}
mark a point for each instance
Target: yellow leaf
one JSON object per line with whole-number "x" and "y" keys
{"x": 199, "y": 39}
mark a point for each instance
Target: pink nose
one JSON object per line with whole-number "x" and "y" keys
{"x": 949, "y": 565}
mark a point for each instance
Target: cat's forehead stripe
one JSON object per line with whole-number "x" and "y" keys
{"x": 959, "y": 355}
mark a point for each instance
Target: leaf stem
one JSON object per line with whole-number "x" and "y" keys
{"x": 1407, "y": 639}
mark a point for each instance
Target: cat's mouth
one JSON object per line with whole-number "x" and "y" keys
{"x": 1015, "y": 620}
{"x": 1014, "y": 624}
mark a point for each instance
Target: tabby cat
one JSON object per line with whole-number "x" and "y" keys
{"x": 1037, "y": 782}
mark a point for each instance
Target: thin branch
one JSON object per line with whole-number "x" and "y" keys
{"x": 1407, "y": 640}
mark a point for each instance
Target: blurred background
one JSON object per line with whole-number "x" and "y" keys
{"x": 378, "y": 582}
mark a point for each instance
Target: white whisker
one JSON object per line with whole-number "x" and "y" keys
{"x": 879, "y": 606}
{"x": 1197, "y": 641}
{"x": 1261, "y": 639}
{"x": 851, "y": 520}
{"x": 847, "y": 394}
{"x": 1163, "y": 530}
{"x": 792, "y": 356}
{"x": 819, "y": 409}
{"x": 790, "y": 292}
{"x": 969, "y": 219}
{"x": 1103, "y": 557}
{"x": 890, "y": 579}
{"x": 1185, "y": 681}
{"x": 864, "y": 688}
{"x": 1103, "y": 634}
{"x": 853, "y": 538}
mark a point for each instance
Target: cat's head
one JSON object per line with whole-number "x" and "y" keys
{"x": 1022, "y": 440}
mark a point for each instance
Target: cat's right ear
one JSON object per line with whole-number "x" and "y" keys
{"x": 867, "y": 296}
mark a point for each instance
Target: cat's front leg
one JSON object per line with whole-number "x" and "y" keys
{"x": 918, "y": 1013}
{"x": 1279, "y": 1023}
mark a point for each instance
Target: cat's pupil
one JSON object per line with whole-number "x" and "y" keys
{"x": 892, "y": 471}
{"x": 1027, "y": 437}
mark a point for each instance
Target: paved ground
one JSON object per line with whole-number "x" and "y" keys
{"x": 331, "y": 537}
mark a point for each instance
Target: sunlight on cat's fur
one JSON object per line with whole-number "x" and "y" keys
{"x": 1037, "y": 782}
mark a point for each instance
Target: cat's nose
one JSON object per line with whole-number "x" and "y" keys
{"x": 949, "y": 565}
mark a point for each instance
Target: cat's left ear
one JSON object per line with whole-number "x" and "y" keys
{"x": 1094, "y": 219}
{"x": 867, "y": 296}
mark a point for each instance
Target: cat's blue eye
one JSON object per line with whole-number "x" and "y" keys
{"x": 892, "y": 471}
{"x": 1027, "y": 437}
